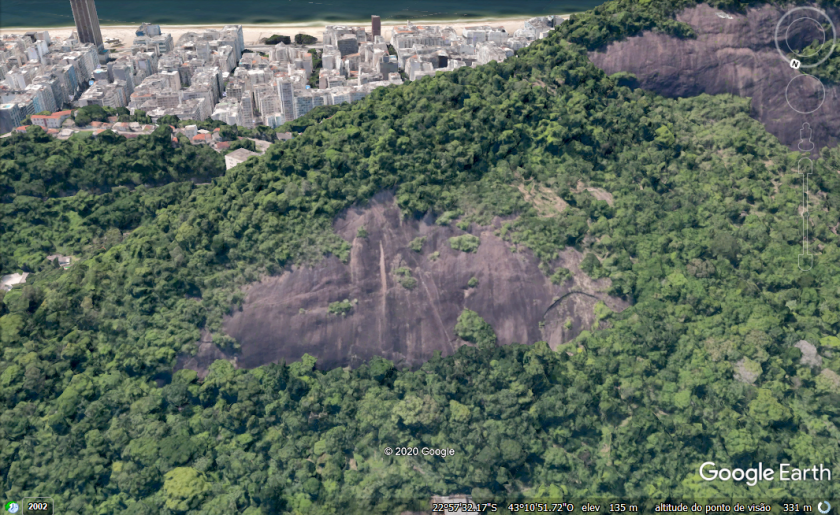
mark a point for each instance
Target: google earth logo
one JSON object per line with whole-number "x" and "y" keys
{"x": 12, "y": 507}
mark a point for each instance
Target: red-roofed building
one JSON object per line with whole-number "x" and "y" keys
{"x": 201, "y": 139}
{"x": 51, "y": 121}
{"x": 22, "y": 128}
{"x": 97, "y": 132}
{"x": 52, "y": 132}
{"x": 222, "y": 145}
{"x": 96, "y": 124}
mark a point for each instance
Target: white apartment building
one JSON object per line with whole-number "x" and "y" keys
{"x": 106, "y": 95}
{"x": 286, "y": 92}
{"x": 309, "y": 99}
{"x": 228, "y": 111}
{"x": 484, "y": 33}
{"x": 274, "y": 120}
{"x": 238, "y": 156}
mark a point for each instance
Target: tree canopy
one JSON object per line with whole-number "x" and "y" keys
{"x": 275, "y": 39}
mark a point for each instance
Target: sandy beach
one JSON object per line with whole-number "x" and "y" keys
{"x": 253, "y": 33}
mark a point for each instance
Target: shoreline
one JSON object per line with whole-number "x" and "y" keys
{"x": 126, "y": 32}
{"x": 253, "y": 32}
{"x": 311, "y": 23}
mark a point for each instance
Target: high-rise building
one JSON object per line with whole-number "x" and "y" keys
{"x": 42, "y": 96}
{"x": 71, "y": 81}
{"x": 228, "y": 111}
{"x": 87, "y": 23}
{"x": 348, "y": 44}
{"x": 274, "y": 120}
{"x": 376, "y": 26}
{"x": 286, "y": 91}
{"x": 10, "y": 117}
{"x": 52, "y": 79}
{"x": 247, "y": 103}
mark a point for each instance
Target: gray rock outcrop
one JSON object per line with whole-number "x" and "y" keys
{"x": 285, "y": 316}
{"x": 736, "y": 56}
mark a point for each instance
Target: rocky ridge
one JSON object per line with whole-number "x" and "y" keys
{"x": 735, "y": 54}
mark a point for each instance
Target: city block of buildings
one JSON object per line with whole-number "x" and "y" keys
{"x": 209, "y": 74}
{"x": 38, "y": 74}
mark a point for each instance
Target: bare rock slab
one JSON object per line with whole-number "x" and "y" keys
{"x": 285, "y": 316}
{"x": 735, "y": 55}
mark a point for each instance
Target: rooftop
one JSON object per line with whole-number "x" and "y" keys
{"x": 7, "y": 281}
{"x": 55, "y": 115}
{"x": 241, "y": 154}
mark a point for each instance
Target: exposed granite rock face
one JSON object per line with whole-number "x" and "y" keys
{"x": 286, "y": 316}
{"x": 736, "y": 56}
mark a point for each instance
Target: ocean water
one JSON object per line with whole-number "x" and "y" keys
{"x": 57, "y": 13}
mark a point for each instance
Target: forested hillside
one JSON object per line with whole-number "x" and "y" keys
{"x": 38, "y": 165}
{"x": 82, "y": 194}
{"x": 619, "y": 19}
{"x": 702, "y": 239}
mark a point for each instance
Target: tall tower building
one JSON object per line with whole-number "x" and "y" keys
{"x": 286, "y": 91}
{"x": 376, "y": 26}
{"x": 87, "y": 23}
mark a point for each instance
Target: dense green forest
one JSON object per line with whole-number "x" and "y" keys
{"x": 72, "y": 196}
{"x": 702, "y": 238}
{"x": 95, "y": 113}
{"x": 41, "y": 166}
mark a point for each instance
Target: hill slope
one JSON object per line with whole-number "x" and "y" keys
{"x": 737, "y": 56}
